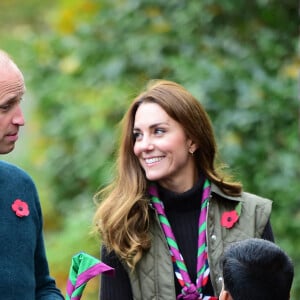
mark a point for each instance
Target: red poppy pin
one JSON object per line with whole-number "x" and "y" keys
{"x": 229, "y": 218}
{"x": 20, "y": 208}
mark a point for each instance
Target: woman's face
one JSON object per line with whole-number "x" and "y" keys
{"x": 163, "y": 148}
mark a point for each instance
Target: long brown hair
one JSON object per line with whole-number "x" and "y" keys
{"x": 122, "y": 217}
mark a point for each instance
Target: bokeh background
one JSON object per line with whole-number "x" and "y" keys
{"x": 84, "y": 61}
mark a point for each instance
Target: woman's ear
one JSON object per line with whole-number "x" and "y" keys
{"x": 192, "y": 147}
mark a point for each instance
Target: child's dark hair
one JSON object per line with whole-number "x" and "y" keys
{"x": 257, "y": 269}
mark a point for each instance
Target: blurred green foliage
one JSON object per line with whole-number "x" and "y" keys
{"x": 85, "y": 60}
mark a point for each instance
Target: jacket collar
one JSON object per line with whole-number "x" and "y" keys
{"x": 217, "y": 191}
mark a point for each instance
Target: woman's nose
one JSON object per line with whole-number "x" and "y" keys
{"x": 147, "y": 144}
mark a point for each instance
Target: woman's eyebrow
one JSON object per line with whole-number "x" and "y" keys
{"x": 153, "y": 125}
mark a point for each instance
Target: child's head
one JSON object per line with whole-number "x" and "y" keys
{"x": 256, "y": 269}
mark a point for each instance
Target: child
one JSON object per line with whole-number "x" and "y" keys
{"x": 256, "y": 269}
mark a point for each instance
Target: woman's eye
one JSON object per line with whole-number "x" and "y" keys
{"x": 159, "y": 130}
{"x": 136, "y": 135}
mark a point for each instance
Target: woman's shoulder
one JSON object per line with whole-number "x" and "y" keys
{"x": 243, "y": 197}
{"x": 246, "y": 196}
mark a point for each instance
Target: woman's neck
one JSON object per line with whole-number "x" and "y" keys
{"x": 180, "y": 184}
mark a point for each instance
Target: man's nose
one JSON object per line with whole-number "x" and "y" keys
{"x": 18, "y": 118}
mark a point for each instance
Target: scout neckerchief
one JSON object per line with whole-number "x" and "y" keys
{"x": 83, "y": 268}
{"x": 189, "y": 290}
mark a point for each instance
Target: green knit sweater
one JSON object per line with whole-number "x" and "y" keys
{"x": 24, "y": 271}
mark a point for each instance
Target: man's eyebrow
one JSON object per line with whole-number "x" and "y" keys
{"x": 12, "y": 100}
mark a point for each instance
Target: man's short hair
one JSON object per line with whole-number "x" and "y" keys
{"x": 257, "y": 269}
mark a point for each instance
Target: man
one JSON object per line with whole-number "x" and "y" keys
{"x": 256, "y": 269}
{"x": 24, "y": 268}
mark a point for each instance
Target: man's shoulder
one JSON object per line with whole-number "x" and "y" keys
{"x": 8, "y": 170}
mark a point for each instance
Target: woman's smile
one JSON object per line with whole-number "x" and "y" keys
{"x": 153, "y": 160}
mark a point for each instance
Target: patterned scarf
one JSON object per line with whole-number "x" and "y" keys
{"x": 83, "y": 268}
{"x": 190, "y": 291}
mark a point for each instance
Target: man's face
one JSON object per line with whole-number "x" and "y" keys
{"x": 12, "y": 89}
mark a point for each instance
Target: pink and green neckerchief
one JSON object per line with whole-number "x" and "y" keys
{"x": 83, "y": 268}
{"x": 190, "y": 291}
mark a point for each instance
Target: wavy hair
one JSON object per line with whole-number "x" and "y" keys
{"x": 122, "y": 217}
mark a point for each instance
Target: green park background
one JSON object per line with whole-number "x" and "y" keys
{"x": 84, "y": 61}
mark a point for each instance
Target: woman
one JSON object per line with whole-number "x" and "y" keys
{"x": 156, "y": 227}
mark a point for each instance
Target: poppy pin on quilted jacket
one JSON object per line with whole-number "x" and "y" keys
{"x": 229, "y": 218}
{"x": 20, "y": 208}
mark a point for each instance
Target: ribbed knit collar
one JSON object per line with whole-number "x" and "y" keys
{"x": 189, "y": 200}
